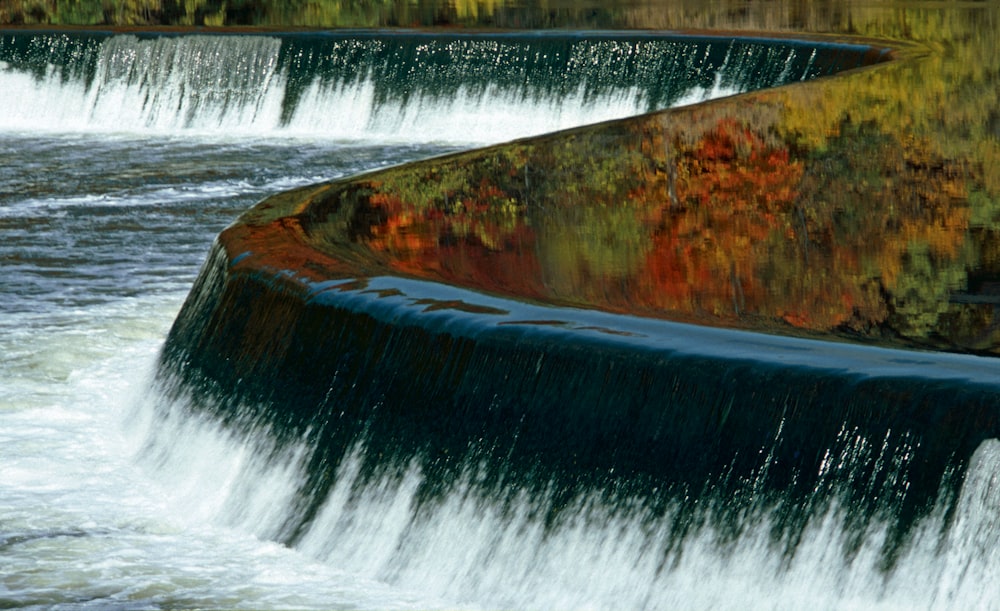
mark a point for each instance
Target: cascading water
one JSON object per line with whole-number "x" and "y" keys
{"x": 499, "y": 473}
{"x": 405, "y": 88}
{"x": 132, "y": 482}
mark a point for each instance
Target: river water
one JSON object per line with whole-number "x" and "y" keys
{"x": 102, "y": 239}
{"x": 111, "y": 498}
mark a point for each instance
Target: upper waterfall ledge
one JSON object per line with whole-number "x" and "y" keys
{"x": 798, "y": 210}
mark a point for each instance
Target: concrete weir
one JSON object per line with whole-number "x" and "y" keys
{"x": 678, "y": 312}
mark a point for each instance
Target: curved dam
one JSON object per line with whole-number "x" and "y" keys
{"x": 563, "y": 339}
{"x": 546, "y": 320}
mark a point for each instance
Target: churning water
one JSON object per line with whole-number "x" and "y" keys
{"x": 124, "y": 157}
{"x": 102, "y": 237}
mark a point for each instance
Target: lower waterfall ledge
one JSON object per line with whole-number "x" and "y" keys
{"x": 519, "y": 319}
{"x": 666, "y": 418}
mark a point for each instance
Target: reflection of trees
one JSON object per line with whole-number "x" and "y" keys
{"x": 591, "y": 247}
{"x": 699, "y": 214}
{"x": 733, "y": 191}
{"x": 888, "y": 223}
{"x": 868, "y": 204}
{"x": 461, "y": 219}
{"x": 590, "y": 214}
{"x": 923, "y": 290}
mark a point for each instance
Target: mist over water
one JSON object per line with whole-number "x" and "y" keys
{"x": 119, "y": 488}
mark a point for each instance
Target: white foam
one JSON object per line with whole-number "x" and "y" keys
{"x": 83, "y": 523}
{"x": 490, "y": 115}
{"x": 468, "y": 550}
{"x": 232, "y": 87}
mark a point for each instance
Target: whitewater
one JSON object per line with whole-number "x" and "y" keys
{"x": 115, "y": 182}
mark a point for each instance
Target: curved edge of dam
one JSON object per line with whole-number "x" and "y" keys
{"x": 419, "y": 314}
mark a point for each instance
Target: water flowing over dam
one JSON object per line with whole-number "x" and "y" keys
{"x": 411, "y": 87}
{"x": 363, "y": 402}
{"x": 540, "y": 436}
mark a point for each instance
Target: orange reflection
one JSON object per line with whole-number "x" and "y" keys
{"x": 796, "y": 210}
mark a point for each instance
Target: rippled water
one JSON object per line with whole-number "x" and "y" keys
{"x": 102, "y": 237}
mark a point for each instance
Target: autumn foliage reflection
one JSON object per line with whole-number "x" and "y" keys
{"x": 458, "y": 226}
{"x": 707, "y": 215}
{"x": 734, "y": 193}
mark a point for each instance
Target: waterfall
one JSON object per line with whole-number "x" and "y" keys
{"x": 528, "y": 456}
{"x": 392, "y": 87}
{"x": 418, "y": 438}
